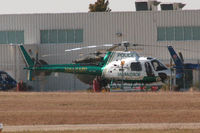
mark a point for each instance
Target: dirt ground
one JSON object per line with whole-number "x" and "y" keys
{"x": 18, "y": 108}
{"x": 115, "y": 131}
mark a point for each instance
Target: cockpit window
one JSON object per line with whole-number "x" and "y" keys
{"x": 149, "y": 70}
{"x": 158, "y": 66}
{"x": 4, "y": 77}
{"x": 136, "y": 66}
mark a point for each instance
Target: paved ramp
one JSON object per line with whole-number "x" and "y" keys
{"x": 102, "y": 127}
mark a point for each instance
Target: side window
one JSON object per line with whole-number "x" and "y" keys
{"x": 136, "y": 66}
{"x": 148, "y": 70}
{"x": 158, "y": 66}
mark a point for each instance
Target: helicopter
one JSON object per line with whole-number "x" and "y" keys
{"x": 184, "y": 74}
{"x": 179, "y": 62}
{"x": 115, "y": 67}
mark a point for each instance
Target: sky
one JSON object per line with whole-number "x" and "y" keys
{"x": 64, "y": 6}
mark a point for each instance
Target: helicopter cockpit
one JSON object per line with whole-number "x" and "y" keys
{"x": 158, "y": 66}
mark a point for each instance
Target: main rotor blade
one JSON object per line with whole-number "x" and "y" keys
{"x": 48, "y": 55}
{"x": 88, "y": 47}
{"x": 112, "y": 48}
{"x": 148, "y": 45}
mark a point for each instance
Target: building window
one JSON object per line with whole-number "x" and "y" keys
{"x": 8, "y": 37}
{"x": 178, "y": 33}
{"x": 70, "y": 36}
{"x": 161, "y": 33}
{"x": 170, "y": 33}
{"x": 196, "y": 33}
{"x": 53, "y": 38}
{"x": 187, "y": 33}
{"x": 61, "y": 36}
{"x": 78, "y": 36}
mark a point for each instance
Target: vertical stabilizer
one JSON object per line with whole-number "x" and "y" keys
{"x": 26, "y": 56}
{"x": 177, "y": 61}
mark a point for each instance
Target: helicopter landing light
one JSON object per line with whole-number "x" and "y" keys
{"x": 122, "y": 63}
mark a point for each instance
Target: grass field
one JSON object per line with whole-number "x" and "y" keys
{"x": 98, "y": 108}
{"x": 118, "y": 131}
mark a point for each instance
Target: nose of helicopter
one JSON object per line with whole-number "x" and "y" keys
{"x": 165, "y": 75}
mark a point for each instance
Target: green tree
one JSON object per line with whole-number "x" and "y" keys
{"x": 100, "y": 6}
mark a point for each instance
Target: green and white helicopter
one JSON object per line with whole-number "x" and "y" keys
{"x": 116, "y": 66}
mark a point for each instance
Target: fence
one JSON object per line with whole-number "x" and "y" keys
{"x": 12, "y": 62}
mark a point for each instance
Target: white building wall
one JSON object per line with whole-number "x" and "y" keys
{"x": 138, "y": 27}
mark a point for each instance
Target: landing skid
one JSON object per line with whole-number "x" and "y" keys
{"x": 116, "y": 87}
